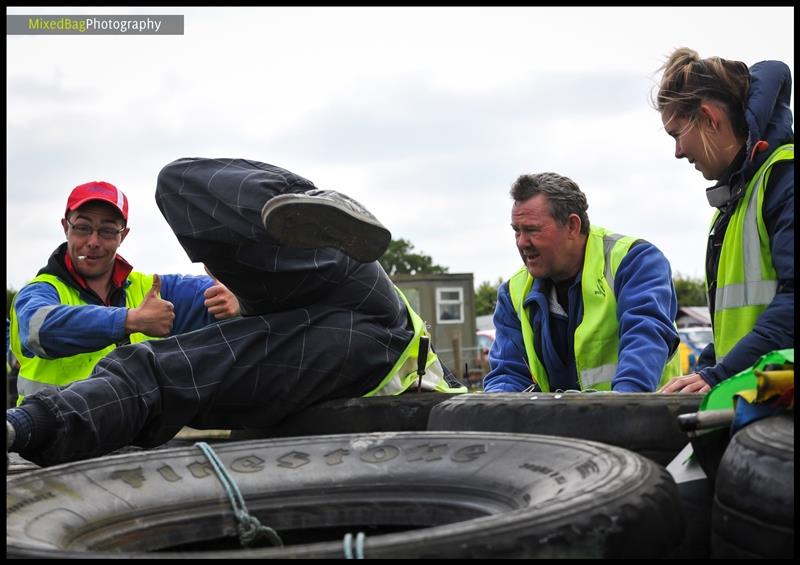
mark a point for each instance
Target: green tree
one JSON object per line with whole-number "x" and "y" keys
{"x": 691, "y": 292}
{"x": 486, "y": 297}
{"x": 399, "y": 259}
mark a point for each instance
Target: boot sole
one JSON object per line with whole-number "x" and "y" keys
{"x": 309, "y": 224}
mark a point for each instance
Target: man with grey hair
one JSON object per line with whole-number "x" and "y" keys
{"x": 589, "y": 310}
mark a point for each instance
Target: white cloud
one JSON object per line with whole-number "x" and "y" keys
{"x": 426, "y": 115}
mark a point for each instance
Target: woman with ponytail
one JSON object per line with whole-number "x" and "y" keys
{"x": 734, "y": 124}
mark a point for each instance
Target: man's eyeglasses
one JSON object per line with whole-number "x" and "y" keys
{"x": 85, "y": 230}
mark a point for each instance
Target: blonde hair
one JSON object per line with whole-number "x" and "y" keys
{"x": 689, "y": 81}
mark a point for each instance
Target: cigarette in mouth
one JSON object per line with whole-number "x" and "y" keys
{"x": 81, "y": 257}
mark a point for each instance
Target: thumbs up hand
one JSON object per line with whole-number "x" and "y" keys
{"x": 220, "y": 301}
{"x": 154, "y": 316}
{"x": 155, "y": 289}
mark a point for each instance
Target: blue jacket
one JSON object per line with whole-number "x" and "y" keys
{"x": 646, "y": 310}
{"x": 68, "y": 330}
{"x": 769, "y": 118}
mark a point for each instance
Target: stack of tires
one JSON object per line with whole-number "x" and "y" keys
{"x": 404, "y": 494}
{"x": 753, "y": 510}
{"x": 419, "y": 475}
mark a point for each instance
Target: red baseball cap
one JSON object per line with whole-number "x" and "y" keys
{"x": 98, "y": 190}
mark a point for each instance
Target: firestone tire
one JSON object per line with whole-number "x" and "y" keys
{"x": 753, "y": 511}
{"x": 442, "y": 494}
{"x": 645, "y": 423}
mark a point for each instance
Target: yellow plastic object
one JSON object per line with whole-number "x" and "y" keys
{"x": 721, "y": 397}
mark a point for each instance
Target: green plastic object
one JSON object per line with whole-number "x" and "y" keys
{"x": 721, "y": 396}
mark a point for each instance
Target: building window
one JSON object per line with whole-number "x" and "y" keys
{"x": 412, "y": 294}
{"x": 449, "y": 305}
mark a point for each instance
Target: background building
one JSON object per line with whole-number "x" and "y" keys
{"x": 447, "y": 304}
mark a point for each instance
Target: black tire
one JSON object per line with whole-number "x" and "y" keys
{"x": 696, "y": 497}
{"x": 753, "y": 510}
{"x": 439, "y": 494}
{"x": 402, "y": 413}
{"x": 645, "y": 423}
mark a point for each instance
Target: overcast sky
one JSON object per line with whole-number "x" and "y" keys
{"x": 425, "y": 115}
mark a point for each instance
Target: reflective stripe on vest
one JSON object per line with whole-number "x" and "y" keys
{"x": 404, "y": 373}
{"x": 38, "y": 373}
{"x": 596, "y": 340}
{"x": 746, "y": 277}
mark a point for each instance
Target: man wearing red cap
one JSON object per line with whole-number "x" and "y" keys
{"x": 88, "y": 300}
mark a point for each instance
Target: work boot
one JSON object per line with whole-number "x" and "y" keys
{"x": 324, "y": 218}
